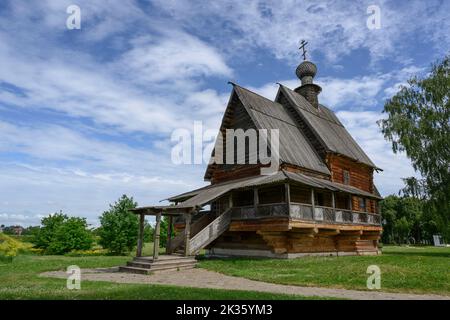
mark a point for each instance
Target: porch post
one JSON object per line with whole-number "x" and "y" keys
{"x": 140, "y": 235}
{"x": 350, "y": 205}
{"x": 255, "y": 198}
{"x": 230, "y": 200}
{"x": 169, "y": 236}
{"x": 287, "y": 196}
{"x": 156, "y": 238}
{"x": 333, "y": 201}
{"x": 187, "y": 233}
{"x": 313, "y": 204}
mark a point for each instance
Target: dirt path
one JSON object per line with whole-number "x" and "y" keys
{"x": 201, "y": 278}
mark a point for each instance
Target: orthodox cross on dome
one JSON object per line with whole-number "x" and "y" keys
{"x": 302, "y": 47}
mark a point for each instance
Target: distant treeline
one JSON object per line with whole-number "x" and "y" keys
{"x": 409, "y": 220}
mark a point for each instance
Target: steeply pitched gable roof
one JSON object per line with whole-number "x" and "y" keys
{"x": 326, "y": 127}
{"x": 266, "y": 114}
{"x": 294, "y": 146}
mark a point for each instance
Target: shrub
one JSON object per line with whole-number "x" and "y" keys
{"x": 45, "y": 236}
{"x": 86, "y": 253}
{"x": 60, "y": 234}
{"x": 119, "y": 228}
{"x": 9, "y": 247}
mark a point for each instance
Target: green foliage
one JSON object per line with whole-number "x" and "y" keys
{"x": 31, "y": 231}
{"x": 418, "y": 124}
{"x": 149, "y": 232}
{"x": 163, "y": 232}
{"x": 86, "y": 253}
{"x": 60, "y": 234}
{"x": 44, "y": 237}
{"x": 10, "y": 247}
{"x": 408, "y": 220}
{"x": 119, "y": 227}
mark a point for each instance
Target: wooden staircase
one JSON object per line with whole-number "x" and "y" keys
{"x": 211, "y": 232}
{"x": 204, "y": 232}
{"x": 146, "y": 265}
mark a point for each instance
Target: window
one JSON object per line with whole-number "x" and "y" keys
{"x": 346, "y": 174}
{"x": 362, "y": 204}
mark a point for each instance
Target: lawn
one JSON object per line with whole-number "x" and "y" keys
{"x": 403, "y": 269}
{"x": 20, "y": 280}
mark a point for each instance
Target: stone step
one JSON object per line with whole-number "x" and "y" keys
{"x": 174, "y": 267}
{"x": 153, "y": 265}
{"x": 163, "y": 258}
{"x": 129, "y": 269}
{"x": 138, "y": 270}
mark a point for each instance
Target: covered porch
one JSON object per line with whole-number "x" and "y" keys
{"x": 287, "y": 210}
{"x": 158, "y": 212}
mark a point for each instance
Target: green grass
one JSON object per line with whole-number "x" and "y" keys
{"x": 20, "y": 280}
{"x": 403, "y": 269}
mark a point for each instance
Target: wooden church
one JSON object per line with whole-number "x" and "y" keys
{"x": 321, "y": 199}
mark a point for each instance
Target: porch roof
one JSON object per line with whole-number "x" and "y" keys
{"x": 333, "y": 186}
{"x": 200, "y": 197}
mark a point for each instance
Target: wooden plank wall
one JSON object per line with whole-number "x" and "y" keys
{"x": 361, "y": 177}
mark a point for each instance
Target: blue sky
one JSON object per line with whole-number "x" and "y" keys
{"x": 86, "y": 115}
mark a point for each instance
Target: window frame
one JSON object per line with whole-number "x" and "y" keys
{"x": 346, "y": 177}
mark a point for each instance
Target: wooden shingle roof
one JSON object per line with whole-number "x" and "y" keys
{"x": 202, "y": 196}
{"x": 327, "y": 128}
{"x": 294, "y": 146}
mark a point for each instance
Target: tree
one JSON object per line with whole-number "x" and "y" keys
{"x": 163, "y": 231}
{"x": 60, "y": 234}
{"x": 119, "y": 227}
{"x": 404, "y": 220}
{"x": 50, "y": 224}
{"x": 149, "y": 232}
{"x": 418, "y": 124}
{"x": 71, "y": 235}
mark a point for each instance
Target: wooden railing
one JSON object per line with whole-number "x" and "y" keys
{"x": 260, "y": 211}
{"x": 303, "y": 211}
{"x": 196, "y": 227}
{"x": 211, "y": 232}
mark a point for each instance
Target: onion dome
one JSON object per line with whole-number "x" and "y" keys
{"x": 306, "y": 71}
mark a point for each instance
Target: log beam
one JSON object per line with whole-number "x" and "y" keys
{"x": 187, "y": 234}
{"x": 140, "y": 235}
{"x": 156, "y": 237}
{"x": 169, "y": 235}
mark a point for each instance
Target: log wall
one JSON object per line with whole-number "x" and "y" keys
{"x": 361, "y": 177}
{"x": 281, "y": 236}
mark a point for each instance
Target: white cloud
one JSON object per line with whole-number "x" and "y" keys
{"x": 81, "y": 174}
{"x": 130, "y": 74}
{"x": 354, "y": 94}
{"x": 364, "y": 129}
{"x": 173, "y": 56}
{"x": 333, "y": 28}
{"x": 360, "y": 91}
{"x": 146, "y": 89}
